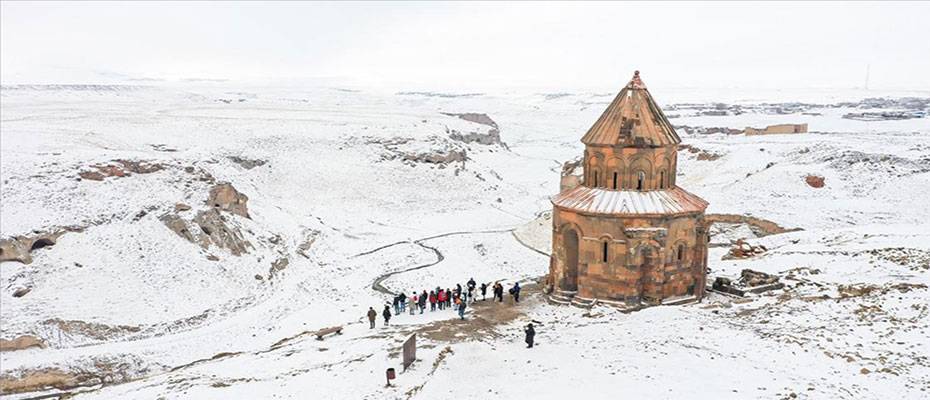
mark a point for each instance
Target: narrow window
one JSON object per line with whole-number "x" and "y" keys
{"x": 662, "y": 180}
{"x": 615, "y": 181}
{"x": 681, "y": 253}
{"x": 595, "y": 178}
{"x": 641, "y": 180}
{"x": 604, "y": 255}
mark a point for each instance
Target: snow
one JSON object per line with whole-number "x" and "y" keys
{"x": 332, "y": 177}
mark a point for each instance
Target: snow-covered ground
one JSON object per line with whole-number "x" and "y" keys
{"x": 362, "y": 190}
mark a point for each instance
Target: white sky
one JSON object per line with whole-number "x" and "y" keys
{"x": 469, "y": 45}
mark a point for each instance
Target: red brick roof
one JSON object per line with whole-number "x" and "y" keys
{"x": 588, "y": 200}
{"x": 632, "y": 119}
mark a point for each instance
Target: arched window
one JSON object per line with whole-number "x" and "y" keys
{"x": 662, "y": 180}
{"x": 604, "y": 251}
{"x": 615, "y": 180}
{"x": 594, "y": 178}
{"x": 641, "y": 181}
{"x": 681, "y": 252}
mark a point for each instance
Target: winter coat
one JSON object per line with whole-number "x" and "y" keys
{"x": 442, "y": 296}
{"x": 372, "y": 314}
{"x": 530, "y": 333}
{"x": 386, "y": 313}
{"x": 432, "y": 298}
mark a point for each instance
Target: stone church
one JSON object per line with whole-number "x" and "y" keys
{"x": 628, "y": 235}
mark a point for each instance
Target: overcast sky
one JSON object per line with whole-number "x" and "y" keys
{"x": 463, "y": 45}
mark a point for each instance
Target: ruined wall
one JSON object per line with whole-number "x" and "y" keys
{"x": 650, "y": 258}
{"x": 776, "y": 129}
{"x": 658, "y": 164}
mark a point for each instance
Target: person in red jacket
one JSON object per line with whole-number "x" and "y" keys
{"x": 441, "y": 298}
{"x": 432, "y": 301}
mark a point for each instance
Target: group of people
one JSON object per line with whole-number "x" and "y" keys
{"x": 456, "y": 299}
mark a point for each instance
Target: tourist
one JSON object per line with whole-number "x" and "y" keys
{"x": 441, "y": 299}
{"x": 471, "y": 289}
{"x": 449, "y": 298}
{"x": 484, "y": 291}
{"x": 387, "y": 315}
{"x": 530, "y": 333}
{"x": 461, "y": 307}
{"x": 515, "y": 291}
{"x": 372, "y": 314}
{"x": 458, "y": 290}
{"x": 499, "y": 292}
{"x": 396, "y": 304}
{"x": 403, "y": 302}
{"x": 413, "y": 302}
{"x": 432, "y": 301}
{"x": 423, "y": 298}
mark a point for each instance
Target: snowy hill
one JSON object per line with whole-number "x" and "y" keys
{"x": 143, "y": 284}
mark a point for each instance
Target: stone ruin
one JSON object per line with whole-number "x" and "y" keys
{"x": 741, "y": 249}
{"x": 750, "y": 281}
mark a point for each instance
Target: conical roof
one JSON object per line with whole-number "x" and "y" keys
{"x": 632, "y": 119}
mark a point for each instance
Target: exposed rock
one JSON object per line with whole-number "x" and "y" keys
{"x": 225, "y": 197}
{"x": 21, "y": 291}
{"x": 119, "y": 169}
{"x": 91, "y": 330}
{"x": 247, "y": 163}
{"x": 179, "y": 226}
{"x": 310, "y": 238}
{"x": 437, "y": 157}
{"x": 814, "y": 181}
{"x": 181, "y": 207}
{"x": 21, "y": 343}
{"x": 19, "y": 248}
{"x": 208, "y": 227}
{"x": 278, "y": 265}
{"x": 216, "y": 230}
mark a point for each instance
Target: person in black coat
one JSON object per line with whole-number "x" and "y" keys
{"x": 484, "y": 291}
{"x": 530, "y": 334}
{"x": 387, "y": 314}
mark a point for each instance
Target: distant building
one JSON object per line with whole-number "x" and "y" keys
{"x": 777, "y": 129}
{"x": 628, "y": 235}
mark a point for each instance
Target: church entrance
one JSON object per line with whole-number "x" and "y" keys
{"x": 570, "y": 244}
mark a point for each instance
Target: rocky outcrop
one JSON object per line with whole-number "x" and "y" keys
{"x": 19, "y": 248}
{"x": 21, "y": 343}
{"x": 246, "y": 162}
{"x": 211, "y": 227}
{"x": 441, "y": 157}
{"x": 277, "y": 266}
{"x": 814, "y": 181}
{"x": 91, "y": 330}
{"x": 226, "y": 198}
{"x": 119, "y": 169}
{"x": 217, "y": 231}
